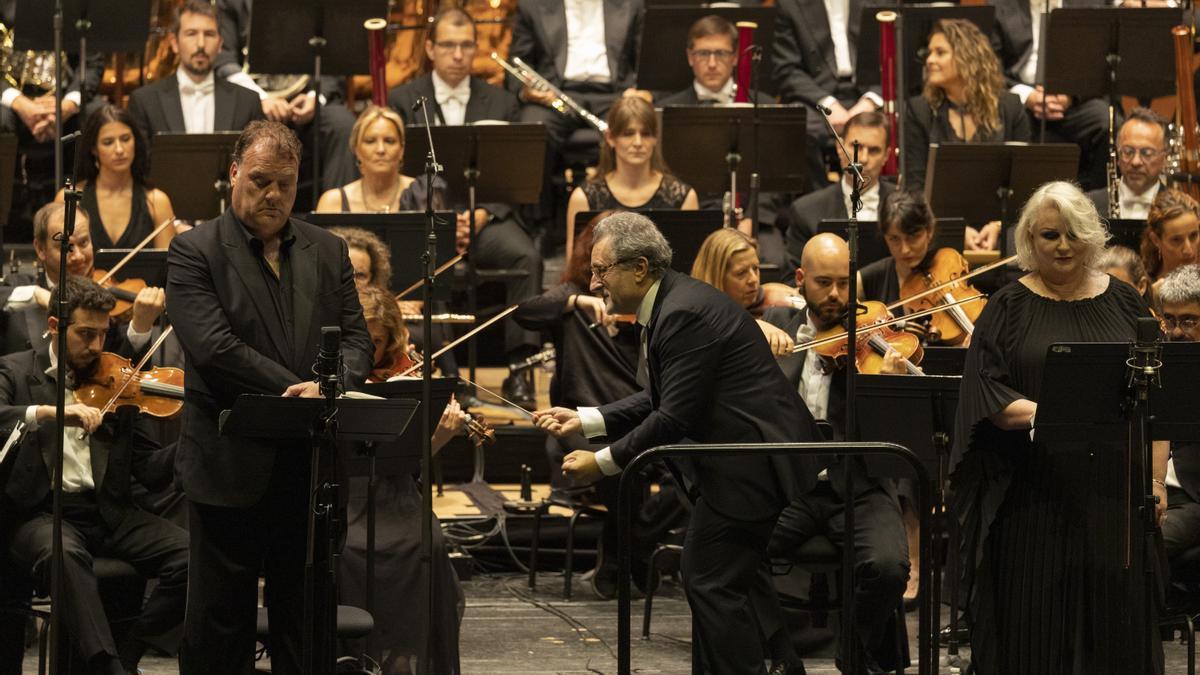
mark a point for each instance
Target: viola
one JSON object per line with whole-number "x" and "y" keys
{"x": 117, "y": 383}
{"x": 478, "y": 430}
{"x": 874, "y": 339}
{"x": 124, "y": 291}
{"x": 946, "y": 271}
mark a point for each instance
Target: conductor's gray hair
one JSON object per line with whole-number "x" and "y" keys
{"x": 634, "y": 236}
{"x": 1083, "y": 222}
{"x": 1181, "y": 286}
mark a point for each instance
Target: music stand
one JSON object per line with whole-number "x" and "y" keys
{"x": 944, "y": 360}
{"x": 1081, "y": 40}
{"x": 8, "y": 169}
{"x": 871, "y": 247}
{"x": 662, "y": 62}
{"x": 312, "y": 25}
{"x": 193, "y": 169}
{"x": 684, "y": 230}
{"x": 712, "y": 148}
{"x": 982, "y": 182}
{"x": 1126, "y": 232}
{"x": 149, "y": 264}
{"x": 404, "y": 233}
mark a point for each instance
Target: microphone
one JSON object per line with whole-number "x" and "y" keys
{"x": 329, "y": 360}
{"x": 419, "y": 104}
{"x": 70, "y": 138}
{"x": 823, "y": 110}
{"x": 1145, "y": 356}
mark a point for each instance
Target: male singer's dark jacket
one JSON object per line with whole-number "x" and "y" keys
{"x": 123, "y": 446}
{"x": 235, "y": 343}
{"x": 539, "y": 38}
{"x": 713, "y": 380}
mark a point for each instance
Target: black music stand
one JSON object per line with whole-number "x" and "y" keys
{"x": 404, "y": 233}
{"x": 193, "y": 169}
{"x": 312, "y": 25}
{"x": 662, "y": 62}
{"x": 982, "y": 182}
{"x": 277, "y": 418}
{"x": 871, "y": 247}
{"x": 920, "y": 412}
{"x": 912, "y": 35}
{"x": 684, "y": 230}
{"x": 1126, "y": 232}
{"x": 1080, "y": 42}
{"x": 8, "y": 169}
{"x": 944, "y": 360}
{"x": 482, "y": 163}
{"x": 149, "y": 264}
{"x": 712, "y": 148}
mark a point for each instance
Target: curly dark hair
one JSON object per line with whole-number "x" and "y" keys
{"x": 87, "y": 165}
{"x": 907, "y": 210}
{"x": 85, "y": 294}
{"x": 978, "y": 67}
{"x": 375, "y": 248}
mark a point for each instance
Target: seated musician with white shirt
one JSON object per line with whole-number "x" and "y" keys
{"x": 1141, "y": 157}
{"x": 101, "y": 456}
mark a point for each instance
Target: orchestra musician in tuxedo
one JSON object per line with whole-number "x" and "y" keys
{"x": 249, "y": 293}
{"x": 870, "y": 131}
{"x": 195, "y": 100}
{"x": 710, "y": 379}
{"x": 102, "y": 456}
{"x": 882, "y": 563}
{"x": 1141, "y": 158}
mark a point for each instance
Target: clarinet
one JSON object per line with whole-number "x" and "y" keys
{"x": 1114, "y": 182}
{"x": 564, "y": 104}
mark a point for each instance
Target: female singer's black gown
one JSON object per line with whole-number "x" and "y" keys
{"x": 1043, "y": 524}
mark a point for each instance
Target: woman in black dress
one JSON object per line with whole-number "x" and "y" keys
{"x": 632, "y": 173}
{"x": 112, "y": 167}
{"x": 964, "y": 101}
{"x": 1043, "y": 523}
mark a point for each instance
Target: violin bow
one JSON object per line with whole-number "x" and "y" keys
{"x": 134, "y": 251}
{"x": 466, "y": 336}
{"x": 945, "y": 284}
{"x": 441, "y": 268}
{"x": 886, "y": 324}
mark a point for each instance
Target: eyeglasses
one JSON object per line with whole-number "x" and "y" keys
{"x": 718, "y": 54}
{"x": 1186, "y": 323}
{"x": 598, "y": 271}
{"x": 1148, "y": 154}
{"x": 448, "y": 46}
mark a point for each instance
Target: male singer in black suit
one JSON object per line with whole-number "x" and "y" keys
{"x": 248, "y": 294}
{"x": 455, "y": 98}
{"x": 1179, "y": 304}
{"x": 710, "y": 378}
{"x": 882, "y": 566}
{"x": 870, "y": 130}
{"x": 195, "y": 100}
{"x": 101, "y": 456}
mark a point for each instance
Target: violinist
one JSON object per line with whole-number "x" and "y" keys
{"x": 1172, "y": 234}
{"x": 882, "y": 551}
{"x": 100, "y": 518}
{"x": 400, "y": 628}
{"x": 29, "y": 298}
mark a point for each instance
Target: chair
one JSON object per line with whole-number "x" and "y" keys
{"x": 578, "y": 508}
{"x": 666, "y": 558}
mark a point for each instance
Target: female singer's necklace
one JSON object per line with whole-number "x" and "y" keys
{"x": 391, "y": 200}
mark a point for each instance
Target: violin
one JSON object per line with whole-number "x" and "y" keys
{"x": 117, "y": 383}
{"x": 875, "y": 337}
{"x": 125, "y": 291}
{"x": 947, "y": 271}
{"x": 478, "y": 430}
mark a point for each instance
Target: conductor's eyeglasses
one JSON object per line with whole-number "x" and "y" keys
{"x": 1185, "y": 323}
{"x": 598, "y": 271}
{"x": 718, "y": 54}
{"x": 1147, "y": 154}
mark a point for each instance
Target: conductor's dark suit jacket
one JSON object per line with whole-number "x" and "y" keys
{"x": 157, "y": 108}
{"x": 539, "y": 38}
{"x": 235, "y": 344}
{"x": 713, "y": 380}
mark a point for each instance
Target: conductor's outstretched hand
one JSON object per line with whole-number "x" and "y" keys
{"x": 557, "y": 422}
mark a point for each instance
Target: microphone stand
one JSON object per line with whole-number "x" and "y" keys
{"x": 849, "y": 637}
{"x": 1144, "y": 363}
{"x": 428, "y": 259}
{"x": 752, "y": 198}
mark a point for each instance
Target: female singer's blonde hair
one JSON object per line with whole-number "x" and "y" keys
{"x": 1083, "y": 222}
{"x": 368, "y": 117}
{"x": 712, "y": 261}
{"x": 978, "y": 68}
{"x": 624, "y": 112}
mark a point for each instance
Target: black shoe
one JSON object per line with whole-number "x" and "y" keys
{"x": 784, "y": 668}
{"x": 961, "y": 637}
{"x": 604, "y": 582}
{"x": 517, "y": 390}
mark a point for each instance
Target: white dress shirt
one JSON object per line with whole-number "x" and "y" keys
{"x": 452, "y": 100}
{"x": 1027, "y": 69}
{"x": 870, "y": 199}
{"x": 814, "y": 381}
{"x": 722, "y": 97}
{"x": 1135, "y": 206}
{"x": 199, "y": 102}
{"x": 587, "y": 55}
{"x": 838, "y": 12}
{"x": 77, "y": 452}
{"x": 590, "y": 418}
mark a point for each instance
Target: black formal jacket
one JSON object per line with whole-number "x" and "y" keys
{"x": 805, "y": 68}
{"x": 487, "y": 102}
{"x": 713, "y": 380}
{"x": 122, "y": 447}
{"x": 539, "y": 38}
{"x": 25, "y": 327}
{"x": 688, "y": 97}
{"x": 157, "y": 107}
{"x": 235, "y": 344}
{"x": 807, "y": 212}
